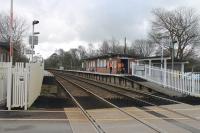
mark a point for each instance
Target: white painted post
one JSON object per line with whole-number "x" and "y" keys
{"x": 193, "y": 85}
{"x": 182, "y": 67}
{"x": 9, "y": 78}
{"x": 133, "y": 68}
{"x": 137, "y": 62}
{"x": 165, "y": 75}
{"x": 26, "y": 86}
{"x": 149, "y": 68}
{"x": 145, "y": 71}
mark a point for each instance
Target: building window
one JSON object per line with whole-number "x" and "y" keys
{"x": 114, "y": 64}
{"x": 93, "y": 64}
{"x": 1, "y": 57}
{"x": 104, "y": 64}
{"x": 98, "y": 63}
{"x": 4, "y": 57}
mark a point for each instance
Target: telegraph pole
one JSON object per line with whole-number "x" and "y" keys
{"x": 11, "y": 32}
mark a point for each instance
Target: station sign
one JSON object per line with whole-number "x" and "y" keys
{"x": 35, "y": 40}
{"x": 29, "y": 51}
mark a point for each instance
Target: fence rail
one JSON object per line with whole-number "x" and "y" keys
{"x": 186, "y": 83}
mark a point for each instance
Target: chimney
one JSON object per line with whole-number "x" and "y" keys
{"x": 125, "y": 46}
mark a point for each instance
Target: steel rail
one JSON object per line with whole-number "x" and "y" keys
{"x": 88, "y": 116}
{"x": 118, "y": 108}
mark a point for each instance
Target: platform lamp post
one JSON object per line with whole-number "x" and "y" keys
{"x": 33, "y": 33}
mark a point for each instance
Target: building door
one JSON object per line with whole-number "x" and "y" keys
{"x": 125, "y": 65}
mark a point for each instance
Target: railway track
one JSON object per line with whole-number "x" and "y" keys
{"x": 65, "y": 82}
{"x": 87, "y": 115}
{"x": 143, "y": 97}
{"x": 140, "y": 98}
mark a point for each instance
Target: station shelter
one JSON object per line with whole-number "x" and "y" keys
{"x": 164, "y": 62}
{"x": 109, "y": 63}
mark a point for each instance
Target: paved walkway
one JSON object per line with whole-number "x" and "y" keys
{"x": 34, "y": 122}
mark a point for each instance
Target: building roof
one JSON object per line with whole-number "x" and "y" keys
{"x": 109, "y": 55}
{"x": 153, "y": 58}
{"x": 158, "y": 58}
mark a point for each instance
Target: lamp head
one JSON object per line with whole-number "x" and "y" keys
{"x": 35, "y": 22}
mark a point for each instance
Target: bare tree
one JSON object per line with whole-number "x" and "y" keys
{"x": 19, "y": 30}
{"x": 91, "y": 50}
{"x": 143, "y": 48}
{"x": 82, "y": 52}
{"x": 181, "y": 25}
{"x": 104, "y": 48}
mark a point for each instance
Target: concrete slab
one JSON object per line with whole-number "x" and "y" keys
{"x": 34, "y": 127}
{"x": 162, "y": 124}
{"x": 177, "y": 119}
{"x": 34, "y": 121}
{"x": 186, "y": 109}
{"x": 79, "y": 123}
{"x": 32, "y": 114}
{"x": 114, "y": 121}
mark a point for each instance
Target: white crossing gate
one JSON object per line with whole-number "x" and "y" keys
{"x": 20, "y": 74}
{"x": 20, "y": 85}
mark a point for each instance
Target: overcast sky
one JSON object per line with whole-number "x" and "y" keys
{"x": 69, "y": 23}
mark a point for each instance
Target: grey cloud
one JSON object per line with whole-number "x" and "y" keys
{"x": 63, "y": 21}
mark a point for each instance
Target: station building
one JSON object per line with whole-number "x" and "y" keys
{"x": 122, "y": 63}
{"x": 109, "y": 63}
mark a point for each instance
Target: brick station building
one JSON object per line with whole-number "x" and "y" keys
{"x": 109, "y": 63}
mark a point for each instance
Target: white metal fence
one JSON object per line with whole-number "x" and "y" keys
{"x": 187, "y": 83}
{"x": 5, "y": 80}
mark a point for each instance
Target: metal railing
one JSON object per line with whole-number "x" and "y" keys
{"x": 187, "y": 83}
